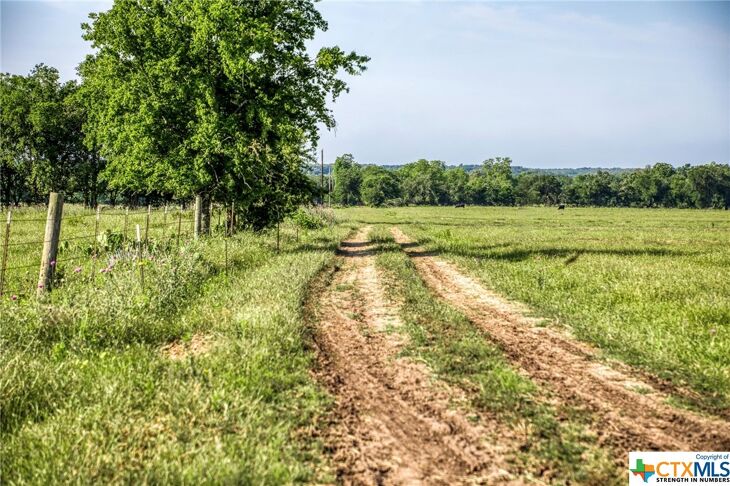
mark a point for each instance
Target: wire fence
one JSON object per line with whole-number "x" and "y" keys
{"x": 87, "y": 238}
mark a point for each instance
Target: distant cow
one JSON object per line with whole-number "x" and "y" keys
{"x": 561, "y": 206}
{"x": 460, "y": 205}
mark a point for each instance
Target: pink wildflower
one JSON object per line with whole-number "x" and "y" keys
{"x": 14, "y": 297}
{"x": 40, "y": 286}
{"x": 53, "y": 263}
{"x": 77, "y": 270}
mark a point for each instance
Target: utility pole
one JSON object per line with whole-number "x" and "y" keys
{"x": 321, "y": 175}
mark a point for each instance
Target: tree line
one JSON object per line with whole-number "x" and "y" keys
{"x": 180, "y": 98}
{"x": 431, "y": 182}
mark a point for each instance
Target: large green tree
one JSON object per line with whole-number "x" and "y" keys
{"x": 346, "y": 177}
{"x": 41, "y": 144}
{"x": 457, "y": 185}
{"x": 379, "y": 186}
{"x": 493, "y": 183}
{"x": 423, "y": 182}
{"x": 536, "y": 188}
{"x": 212, "y": 97}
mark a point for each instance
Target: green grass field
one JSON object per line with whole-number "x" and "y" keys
{"x": 89, "y": 395}
{"x": 91, "y": 392}
{"x": 649, "y": 287}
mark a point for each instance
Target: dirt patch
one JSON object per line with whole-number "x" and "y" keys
{"x": 629, "y": 413}
{"x": 180, "y": 350}
{"x": 392, "y": 423}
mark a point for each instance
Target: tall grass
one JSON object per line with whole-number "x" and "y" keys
{"x": 89, "y": 395}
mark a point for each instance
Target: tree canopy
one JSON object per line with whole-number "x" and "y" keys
{"x": 493, "y": 183}
{"x": 212, "y": 97}
{"x": 41, "y": 141}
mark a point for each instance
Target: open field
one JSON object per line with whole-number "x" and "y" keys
{"x": 649, "y": 287}
{"x": 397, "y": 346}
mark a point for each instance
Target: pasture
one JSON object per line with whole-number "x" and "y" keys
{"x": 649, "y": 287}
{"x": 535, "y": 337}
{"x": 198, "y": 375}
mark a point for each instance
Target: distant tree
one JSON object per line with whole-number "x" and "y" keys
{"x": 647, "y": 187}
{"x": 379, "y": 186}
{"x": 537, "y": 188}
{"x": 682, "y": 193}
{"x": 212, "y": 97}
{"x": 599, "y": 189}
{"x": 347, "y": 178}
{"x": 711, "y": 183}
{"x": 457, "y": 185}
{"x": 493, "y": 183}
{"x": 423, "y": 182}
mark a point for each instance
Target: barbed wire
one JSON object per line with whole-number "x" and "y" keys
{"x": 32, "y": 265}
{"x": 150, "y": 220}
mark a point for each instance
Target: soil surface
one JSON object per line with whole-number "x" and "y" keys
{"x": 180, "y": 350}
{"x": 393, "y": 423}
{"x": 629, "y": 412}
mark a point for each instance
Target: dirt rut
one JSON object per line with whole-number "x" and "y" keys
{"x": 392, "y": 424}
{"x": 624, "y": 417}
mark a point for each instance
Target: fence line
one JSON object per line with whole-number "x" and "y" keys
{"x": 131, "y": 232}
{"x": 56, "y": 248}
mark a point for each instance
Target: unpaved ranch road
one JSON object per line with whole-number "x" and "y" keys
{"x": 624, "y": 418}
{"x": 394, "y": 423}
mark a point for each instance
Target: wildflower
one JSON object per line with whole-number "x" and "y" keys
{"x": 53, "y": 263}
{"x": 77, "y": 270}
{"x": 14, "y": 297}
{"x": 713, "y": 331}
{"x": 40, "y": 286}
{"x": 103, "y": 270}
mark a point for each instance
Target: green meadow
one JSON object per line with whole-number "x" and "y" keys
{"x": 649, "y": 287}
{"x": 90, "y": 392}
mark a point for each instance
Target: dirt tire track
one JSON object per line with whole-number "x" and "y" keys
{"x": 624, "y": 418}
{"x": 391, "y": 424}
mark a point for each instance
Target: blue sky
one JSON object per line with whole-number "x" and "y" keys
{"x": 549, "y": 84}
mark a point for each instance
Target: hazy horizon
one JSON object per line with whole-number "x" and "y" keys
{"x": 551, "y": 85}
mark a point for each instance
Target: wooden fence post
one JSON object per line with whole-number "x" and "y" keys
{"x": 50, "y": 242}
{"x": 96, "y": 242}
{"x": 6, "y": 243}
{"x": 147, "y": 225}
{"x": 179, "y": 225}
{"x": 198, "y": 215}
{"x": 139, "y": 257}
{"x": 126, "y": 221}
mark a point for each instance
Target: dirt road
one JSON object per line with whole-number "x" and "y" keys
{"x": 393, "y": 423}
{"x": 630, "y": 413}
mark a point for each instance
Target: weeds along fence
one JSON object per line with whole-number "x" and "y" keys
{"x": 37, "y": 252}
